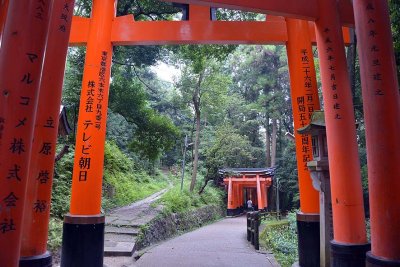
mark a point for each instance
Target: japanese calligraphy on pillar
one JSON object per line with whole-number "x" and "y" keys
{"x": 305, "y": 103}
{"x": 18, "y": 144}
{"x": 21, "y": 63}
{"x": 65, "y": 15}
{"x": 376, "y": 78}
{"x": 332, "y": 73}
{"x": 94, "y": 104}
{"x": 100, "y": 94}
{"x": 48, "y": 126}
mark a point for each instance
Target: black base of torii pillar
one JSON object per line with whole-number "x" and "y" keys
{"x": 83, "y": 241}
{"x": 373, "y": 261}
{"x": 308, "y": 239}
{"x": 345, "y": 255}
{"x": 44, "y": 260}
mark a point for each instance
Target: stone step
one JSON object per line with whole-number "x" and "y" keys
{"x": 119, "y": 237}
{"x": 115, "y": 248}
{"x": 121, "y": 230}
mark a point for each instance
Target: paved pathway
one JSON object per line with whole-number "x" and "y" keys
{"x": 220, "y": 244}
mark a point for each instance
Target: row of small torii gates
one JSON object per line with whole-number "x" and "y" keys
{"x": 35, "y": 35}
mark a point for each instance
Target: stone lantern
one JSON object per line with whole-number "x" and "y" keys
{"x": 319, "y": 170}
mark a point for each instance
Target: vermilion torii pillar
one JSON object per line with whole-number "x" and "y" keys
{"x": 350, "y": 241}
{"x": 21, "y": 60}
{"x": 85, "y": 219}
{"x": 38, "y": 196}
{"x": 3, "y": 15}
{"x": 380, "y": 92}
{"x": 304, "y": 95}
{"x": 259, "y": 197}
{"x": 230, "y": 197}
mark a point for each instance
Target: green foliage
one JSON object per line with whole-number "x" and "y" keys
{"x": 61, "y": 193}
{"x": 55, "y": 234}
{"x": 155, "y": 136}
{"x": 394, "y": 8}
{"x": 154, "y": 132}
{"x": 229, "y": 149}
{"x": 286, "y": 173}
{"x": 198, "y": 56}
{"x": 123, "y": 182}
{"x": 147, "y": 9}
{"x": 176, "y": 200}
{"x": 281, "y": 238}
{"x": 119, "y": 130}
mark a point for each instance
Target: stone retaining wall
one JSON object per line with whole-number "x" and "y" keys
{"x": 166, "y": 226}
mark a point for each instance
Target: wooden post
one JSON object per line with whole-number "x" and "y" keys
{"x": 264, "y": 195}
{"x": 381, "y": 101}
{"x": 304, "y": 95}
{"x": 259, "y": 197}
{"x": 38, "y": 196}
{"x": 230, "y": 198}
{"x": 87, "y": 175}
{"x": 21, "y": 61}
{"x": 347, "y": 200}
{"x": 234, "y": 196}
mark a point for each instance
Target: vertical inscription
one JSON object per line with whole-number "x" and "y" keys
{"x": 329, "y": 52}
{"x": 305, "y": 103}
{"x": 377, "y": 77}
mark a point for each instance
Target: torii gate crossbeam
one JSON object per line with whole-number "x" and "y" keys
{"x": 199, "y": 29}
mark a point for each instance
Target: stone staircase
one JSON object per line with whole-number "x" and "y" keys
{"x": 123, "y": 226}
{"x": 120, "y": 241}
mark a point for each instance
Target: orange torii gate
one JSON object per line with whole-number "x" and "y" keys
{"x": 244, "y": 184}
{"x": 199, "y": 29}
{"x": 381, "y": 110}
{"x": 85, "y": 215}
{"x": 85, "y": 212}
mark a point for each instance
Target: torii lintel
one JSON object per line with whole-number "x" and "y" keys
{"x": 199, "y": 29}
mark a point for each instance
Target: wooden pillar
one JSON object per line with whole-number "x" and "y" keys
{"x": 259, "y": 196}
{"x": 239, "y": 195}
{"x": 3, "y": 15}
{"x": 38, "y": 196}
{"x": 234, "y": 193}
{"x": 230, "y": 207}
{"x": 264, "y": 196}
{"x": 90, "y": 138}
{"x": 347, "y": 199}
{"x": 87, "y": 175}
{"x": 381, "y": 101}
{"x": 21, "y": 61}
{"x": 304, "y": 95}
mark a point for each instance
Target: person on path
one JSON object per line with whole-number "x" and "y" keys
{"x": 250, "y": 205}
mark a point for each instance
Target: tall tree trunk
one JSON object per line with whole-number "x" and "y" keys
{"x": 196, "y": 152}
{"x": 273, "y": 139}
{"x": 196, "y": 103}
{"x": 267, "y": 143}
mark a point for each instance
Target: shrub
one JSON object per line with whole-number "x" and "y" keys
{"x": 281, "y": 238}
